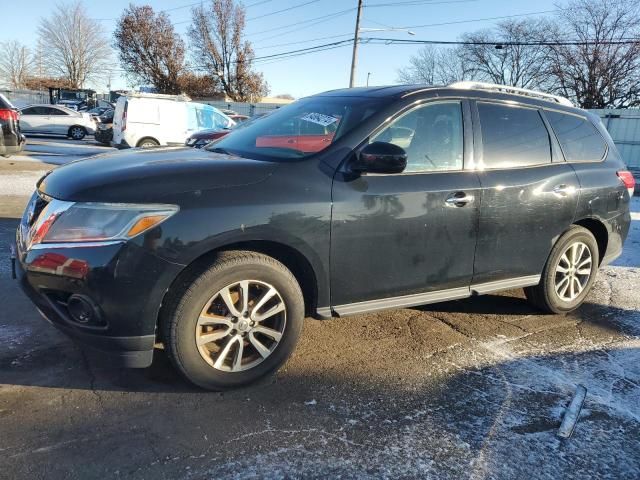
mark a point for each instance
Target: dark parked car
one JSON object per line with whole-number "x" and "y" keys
{"x": 104, "y": 129}
{"x": 420, "y": 195}
{"x": 203, "y": 137}
{"x": 11, "y": 138}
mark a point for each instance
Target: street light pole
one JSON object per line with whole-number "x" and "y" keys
{"x": 368, "y": 75}
{"x": 355, "y": 46}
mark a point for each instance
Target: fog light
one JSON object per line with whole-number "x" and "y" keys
{"x": 83, "y": 310}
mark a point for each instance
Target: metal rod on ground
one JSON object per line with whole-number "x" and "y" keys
{"x": 573, "y": 412}
{"x": 354, "y": 57}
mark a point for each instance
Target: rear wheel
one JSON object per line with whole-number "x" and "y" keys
{"x": 569, "y": 273}
{"x": 235, "y": 323}
{"x": 77, "y": 133}
{"x": 148, "y": 143}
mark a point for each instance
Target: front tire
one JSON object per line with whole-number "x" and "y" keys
{"x": 569, "y": 274}
{"x": 235, "y": 323}
{"x": 77, "y": 133}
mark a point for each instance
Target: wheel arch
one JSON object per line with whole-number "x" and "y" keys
{"x": 290, "y": 257}
{"x": 599, "y": 231}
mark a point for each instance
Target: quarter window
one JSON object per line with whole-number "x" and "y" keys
{"x": 432, "y": 136}
{"x": 579, "y": 139}
{"x": 513, "y": 136}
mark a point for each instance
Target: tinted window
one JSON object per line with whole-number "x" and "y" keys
{"x": 35, "y": 111}
{"x": 579, "y": 139}
{"x": 432, "y": 135}
{"x": 513, "y": 136}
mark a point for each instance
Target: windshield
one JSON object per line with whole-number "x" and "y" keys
{"x": 298, "y": 130}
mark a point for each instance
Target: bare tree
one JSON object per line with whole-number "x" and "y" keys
{"x": 76, "y": 47}
{"x": 218, "y": 47}
{"x": 149, "y": 49}
{"x": 433, "y": 66}
{"x": 598, "y": 73}
{"x": 507, "y": 62}
{"x": 15, "y": 64}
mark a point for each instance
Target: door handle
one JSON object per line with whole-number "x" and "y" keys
{"x": 458, "y": 199}
{"x": 563, "y": 190}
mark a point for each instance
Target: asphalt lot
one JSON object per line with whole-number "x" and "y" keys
{"x": 467, "y": 389}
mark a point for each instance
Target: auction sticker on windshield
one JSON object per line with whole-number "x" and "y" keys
{"x": 319, "y": 118}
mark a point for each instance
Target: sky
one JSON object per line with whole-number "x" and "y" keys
{"x": 273, "y": 31}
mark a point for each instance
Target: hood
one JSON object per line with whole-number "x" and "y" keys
{"x": 149, "y": 175}
{"x": 210, "y": 133}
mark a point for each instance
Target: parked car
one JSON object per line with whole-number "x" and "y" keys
{"x": 104, "y": 128}
{"x": 220, "y": 253}
{"x": 98, "y": 111}
{"x": 11, "y": 138}
{"x": 56, "y": 120}
{"x": 148, "y": 120}
{"x": 203, "y": 137}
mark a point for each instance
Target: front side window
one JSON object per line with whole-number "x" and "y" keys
{"x": 56, "y": 111}
{"x": 579, "y": 139}
{"x": 300, "y": 129}
{"x": 513, "y": 136}
{"x": 432, "y": 136}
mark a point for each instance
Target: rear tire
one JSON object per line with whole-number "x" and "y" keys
{"x": 569, "y": 273}
{"x": 77, "y": 133}
{"x": 217, "y": 339}
{"x": 148, "y": 143}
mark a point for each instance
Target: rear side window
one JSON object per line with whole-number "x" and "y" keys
{"x": 513, "y": 136}
{"x": 578, "y": 137}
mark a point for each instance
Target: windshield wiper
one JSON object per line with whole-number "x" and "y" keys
{"x": 223, "y": 151}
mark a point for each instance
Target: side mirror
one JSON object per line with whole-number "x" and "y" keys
{"x": 380, "y": 157}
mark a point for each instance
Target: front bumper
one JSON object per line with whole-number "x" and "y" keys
{"x": 123, "y": 281}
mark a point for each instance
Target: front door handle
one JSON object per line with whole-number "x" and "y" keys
{"x": 458, "y": 199}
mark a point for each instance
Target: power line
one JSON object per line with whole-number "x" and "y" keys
{"x": 327, "y": 16}
{"x": 285, "y": 9}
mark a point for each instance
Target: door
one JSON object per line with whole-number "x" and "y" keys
{"x": 529, "y": 193}
{"x": 410, "y": 233}
{"x": 35, "y": 119}
{"x": 60, "y": 120}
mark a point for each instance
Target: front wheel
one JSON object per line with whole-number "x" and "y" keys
{"x": 77, "y": 133}
{"x": 235, "y": 323}
{"x": 569, "y": 273}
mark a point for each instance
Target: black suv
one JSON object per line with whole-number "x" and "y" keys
{"x": 11, "y": 139}
{"x": 401, "y": 196}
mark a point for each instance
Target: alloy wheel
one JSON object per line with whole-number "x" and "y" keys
{"x": 77, "y": 133}
{"x": 573, "y": 271}
{"x": 241, "y": 325}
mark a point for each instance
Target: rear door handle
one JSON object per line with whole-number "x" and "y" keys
{"x": 458, "y": 199}
{"x": 563, "y": 190}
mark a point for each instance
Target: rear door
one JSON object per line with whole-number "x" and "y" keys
{"x": 402, "y": 235}
{"x": 36, "y": 119}
{"x": 529, "y": 193}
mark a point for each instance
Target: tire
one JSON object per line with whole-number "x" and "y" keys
{"x": 199, "y": 299}
{"x": 553, "y": 294}
{"x": 77, "y": 132}
{"x": 148, "y": 143}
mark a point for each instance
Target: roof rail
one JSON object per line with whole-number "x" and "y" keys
{"x": 470, "y": 85}
{"x": 164, "y": 96}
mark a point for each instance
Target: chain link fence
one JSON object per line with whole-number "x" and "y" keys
{"x": 22, "y": 98}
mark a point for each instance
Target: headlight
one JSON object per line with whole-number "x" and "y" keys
{"x": 62, "y": 222}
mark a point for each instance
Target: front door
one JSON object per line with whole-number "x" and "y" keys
{"x": 529, "y": 193}
{"x": 411, "y": 233}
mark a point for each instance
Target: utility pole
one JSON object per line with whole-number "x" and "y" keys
{"x": 354, "y": 57}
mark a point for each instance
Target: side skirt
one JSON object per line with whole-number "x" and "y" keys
{"x": 428, "y": 297}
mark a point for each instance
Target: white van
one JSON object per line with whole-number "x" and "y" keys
{"x": 149, "y": 120}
